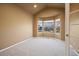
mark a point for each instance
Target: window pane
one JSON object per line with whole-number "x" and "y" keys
{"x": 49, "y": 25}
{"x": 57, "y": 25}
{"x": 39, "y": 25}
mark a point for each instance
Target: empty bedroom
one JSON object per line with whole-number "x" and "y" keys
{"x": 33, "y": 29}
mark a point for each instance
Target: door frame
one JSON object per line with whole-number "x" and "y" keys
{"x": 67, "y": 29}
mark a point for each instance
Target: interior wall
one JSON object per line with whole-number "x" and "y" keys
{"x": 74, "y": 30}
{"x": 15, "y": 25}
{"x": 47, "y": 12}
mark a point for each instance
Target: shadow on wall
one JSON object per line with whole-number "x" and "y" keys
{"x": 15, "y": 25}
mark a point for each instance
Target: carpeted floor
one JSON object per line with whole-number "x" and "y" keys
{"x": 38, "y": 46}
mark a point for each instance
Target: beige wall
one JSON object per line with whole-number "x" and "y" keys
{"x": 15, "y": 25}
{"x": 74, "y": 30}
{"x": 48, "y": 12}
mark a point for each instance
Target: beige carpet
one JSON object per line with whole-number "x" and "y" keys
{"x": 38, "y": 46}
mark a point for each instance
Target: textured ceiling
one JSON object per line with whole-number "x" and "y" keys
{"x": 74, "y": 6}
{"x": 29, "y": 6}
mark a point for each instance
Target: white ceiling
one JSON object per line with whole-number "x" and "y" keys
{"x": 29, "y": 6}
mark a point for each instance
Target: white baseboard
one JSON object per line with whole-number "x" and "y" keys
{"x": 74, "y": 50}
{"x": 15, "y": 44}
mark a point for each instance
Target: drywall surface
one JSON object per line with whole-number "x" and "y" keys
{"x": 74, "y": 30}
{"x": 15, "y": 25}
